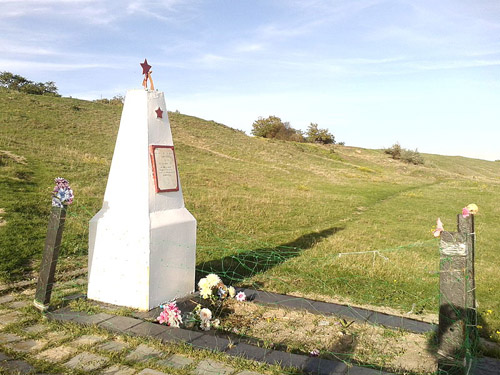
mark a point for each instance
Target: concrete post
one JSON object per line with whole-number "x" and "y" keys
{"x": 49, "y": 258}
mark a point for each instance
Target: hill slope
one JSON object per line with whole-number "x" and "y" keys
{"x": 276, "y": 215}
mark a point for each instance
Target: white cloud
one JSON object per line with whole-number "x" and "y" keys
{"x": 15, "y": 65}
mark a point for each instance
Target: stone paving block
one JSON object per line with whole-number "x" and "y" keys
{"x": 356, "y": 370}
{"x": 401, "y": 322}
{"x": 6, "y": 298}
{"x": 349, "y": 312}
{"x": 18, "y": 304}
{"x": 10, "y": 317}
{"x": 35, "y": 329}
{"x": 55, "y": 336}
{"x": 27, "y": 346}
{"x": 175, "y": 335}
{"x": 246, "y": 372}
{"x": 248, "y": 351}
{"x": 113, "y": 346}
{"x": 486, "y": 366}
{"x": 176, "y": 361}
{"x": 57, "y": 354}
{"x": 211, "y": 367}
{"x": 9, "y": 337}
{"x": 29, "y": 293}
{"x": 211, "y": 342}
{"x": 63, "y": 315}
{"x": 147, "y": 329}
{"x": 324, "y": 366}
{"x": 90, "y": 319}
{"x": 118, "y": 370}
{"x": 87, "y": 340}
{"x": 17, "y": 367}
{"x": 119, "y": 323}
{"x": 86, "y": 362}
{"x": 4, "y": 357}
{"x": 144, "y": 353}
{"x": 285, "y": 359}
{"x": 148, "y": 371}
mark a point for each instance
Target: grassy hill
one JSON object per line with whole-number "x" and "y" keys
{"x": 348, "y": 224}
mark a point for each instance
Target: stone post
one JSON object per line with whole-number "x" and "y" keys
{"x": 457, "y": 312}
{"x": 49, "y": 259}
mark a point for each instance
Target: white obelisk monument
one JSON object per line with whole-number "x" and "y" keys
{"x": 142, "y": 243}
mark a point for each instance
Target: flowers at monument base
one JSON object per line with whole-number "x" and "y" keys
{"x": 212, "y": 286}
{"x": 62, "y": 195}
{"x": 241, "y": 296}
{"x": 205, "y": 316}
{"x": 171, "y": 315}
{"x": 213, "y": 293}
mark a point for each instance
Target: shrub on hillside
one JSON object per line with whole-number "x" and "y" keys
{"x": 273, "y": 127}
{"x": 21, "y": 84}
{"x": 408, "y": 156}
{"x": 116, "y": 100}
{"x": 316, "y": 135}
{"x": 412, "y": 157}
{"x": 394, "y": 151}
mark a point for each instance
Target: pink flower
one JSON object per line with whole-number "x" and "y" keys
{"x": 171, "y": 315}
{"x": 465, "y": 212}
{"x": 439, "y": 228}
{"x": 314, "y": 353}
{"x": 241, "y": 296}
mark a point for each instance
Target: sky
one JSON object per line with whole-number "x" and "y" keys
{"x": 425, "y": 73}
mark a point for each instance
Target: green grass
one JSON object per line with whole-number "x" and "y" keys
{"x": 271, "y": 214}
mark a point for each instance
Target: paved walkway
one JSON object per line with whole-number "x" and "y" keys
{"x": 37, "y": 347}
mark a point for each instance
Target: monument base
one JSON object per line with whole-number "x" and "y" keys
{"x": 141, "y": 267}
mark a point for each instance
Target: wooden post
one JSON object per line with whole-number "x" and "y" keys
{"x": 49, "y": 259}
{"x": 457, "y": 311}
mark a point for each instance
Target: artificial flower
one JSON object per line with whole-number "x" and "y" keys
{"x": 232, "y": 291}
{"x": 222, "y": 291}
{"x": 473, "y": 209}
{"x": 465, "y": 212}
{"x": 241, "y": 296}
{"x": 205, "y": 325}
{"x": 62, "y": 195}
{"x": 216, "y": 323}
{"x": 203, "y": 283}
{"x": 439, "y": 228}
{"x": 205, "y": 314}
{"x": 171, "y": 315}
{"x": 213, "y": 279}
{"x": 205, "y": 293}
{"x": 314, "y": 353}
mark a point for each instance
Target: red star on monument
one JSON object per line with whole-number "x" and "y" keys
{"x": 159, "y": 113}
{"x": 145, "y": 67}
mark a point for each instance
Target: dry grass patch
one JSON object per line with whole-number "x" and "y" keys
{"x": 353, "y": 342}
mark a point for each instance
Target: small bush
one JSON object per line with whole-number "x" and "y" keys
{"x": 317, "y": 135}
{"x": 273, "y": 127}
{"x": 394, "y": 151}
{"x": 408, "y": 156}
{"x": 412, "y": 157}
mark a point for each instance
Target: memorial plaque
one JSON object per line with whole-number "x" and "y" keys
{"x": 164, "y": 168}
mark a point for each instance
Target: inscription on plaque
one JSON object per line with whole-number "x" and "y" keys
{"x": 164, "y": 168}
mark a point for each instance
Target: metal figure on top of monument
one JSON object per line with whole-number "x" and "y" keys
{"x": 146, "y": 70}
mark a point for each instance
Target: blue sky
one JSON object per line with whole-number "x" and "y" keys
{"x": 422, "y": 73}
